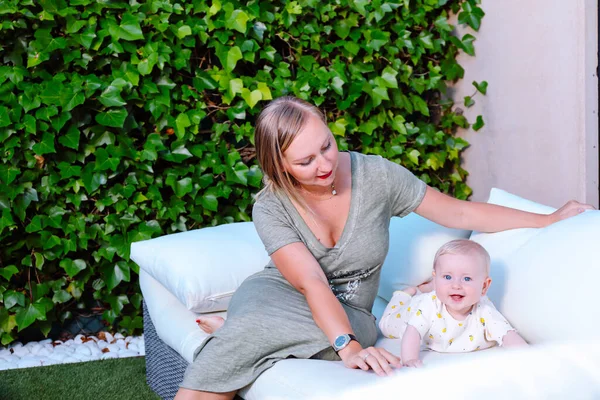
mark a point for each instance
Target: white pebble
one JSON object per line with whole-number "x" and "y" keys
{"x": 107, "y": 356}
{"x": 78, "y": 340}
{"x": 128, "y": 339}
{"x": 35, "y": 349}
{"x": 58, "y": 356}
{"x": 29, "y": 363}
{"x": 12, "y": 359}
{"x": 82, "y": 357}
{"x": 50, "y": 361}
{"x": 15, "y": 345}
{"x": 46, "y": 341}
{"x": 64, "y": 349}
{"x": 69, "y": 359}
{"x": 102, "y": 344}
{"x": 113, "y": 348}
{"x": 49, "y": 347}
{"x": 142, "y": 351}
{"x": 119, "y": 335}
{"x": 5, "y": 352}
{"x": 83, "y": 350}
{"x": 69, "y": 342}
{"x": 21, "y": 351}
{"x": 128, "y": 353}
{"x": 44, "y": 352}
{"x": 132, "y": 347}
{"x": 121, "y": 343}
{"x": 4, "y": 365}
{"x": 109, "y": 337}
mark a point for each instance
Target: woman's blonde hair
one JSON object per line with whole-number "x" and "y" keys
{"x": 276, "y": 127}
{"x": 464, "y": 246}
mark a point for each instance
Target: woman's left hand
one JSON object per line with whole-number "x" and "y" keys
{"x": 570, "y": 209}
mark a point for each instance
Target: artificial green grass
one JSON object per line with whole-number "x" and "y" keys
{"x": 116, "y": 379}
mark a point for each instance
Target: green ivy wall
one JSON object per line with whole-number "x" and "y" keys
{"x": 123, "y": 121}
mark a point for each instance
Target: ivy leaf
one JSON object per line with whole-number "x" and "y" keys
{"x": 481, "y": 87}
{"x": 46, "y": 145}
{"x": 8, "y": 173}
{"x": 28, "y": 315}
{"x": 8, "y": 272}
{"x": 237, "y": 21}
{"x": 7, "y": 220}
{"x": 12, "y": 298}
{"x": 61, "y": 296}
{"x": 113, "y": 275}
{"x": 209, "y": 201}
{"x": 478, "y": 123}
{"x": 114, "y": 117}
{"x": 4, "y": 117}
{"x": 183, "y": 187}
{"x": 71, "y": 139}
{"x": 251, "y": 98}
{"x": 469, "y": 101}
{"x": 413, "y": 156}
{"x": 36, "y": 224}
{"x": 183, "y": 31}
{"x": 389, "y": 76}
{"x": 111, "y": 97}
{"x": 104, "y": 161}
{"x": 233, "y": 56}
{"x": 130, "y": 28}
{"x": 72, "y": 267}
{"x": 467, "y": 44}
{"x": 182, "y": 122}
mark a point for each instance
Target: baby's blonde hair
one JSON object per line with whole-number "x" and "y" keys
{"x": 464, "y": 246}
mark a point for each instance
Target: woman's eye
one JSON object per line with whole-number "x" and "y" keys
{"x": 467, "y": 279}
{"x": 447, "y": 277}
{"x": 327, "y": 147}
{"x": 305, "y": 163}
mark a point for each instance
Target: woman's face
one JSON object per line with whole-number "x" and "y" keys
{"x": 312, "y": 157}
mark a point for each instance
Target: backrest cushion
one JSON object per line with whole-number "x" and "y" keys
{"x": 543, "y": 279}
{"x": 203, "y": 267}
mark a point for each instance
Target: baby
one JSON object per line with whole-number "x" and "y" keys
{"x": 456, "y": 316}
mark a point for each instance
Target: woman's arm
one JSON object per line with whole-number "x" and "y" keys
{"x": 300, "y": 268}
{"x": 484, "y": 217}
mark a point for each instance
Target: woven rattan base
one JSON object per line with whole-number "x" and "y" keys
{"x": 164, "y": 366}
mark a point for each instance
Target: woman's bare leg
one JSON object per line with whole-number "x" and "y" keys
{"x": 187, "y": 394}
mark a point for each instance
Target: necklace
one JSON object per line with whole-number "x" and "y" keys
{"x": 333, "y": 193}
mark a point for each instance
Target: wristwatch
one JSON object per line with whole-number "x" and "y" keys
{"x": 342, "y": 341}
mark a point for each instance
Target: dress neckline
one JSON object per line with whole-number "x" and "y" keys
{"x": 350, "y": 220}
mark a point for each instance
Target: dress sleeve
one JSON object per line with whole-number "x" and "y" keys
{"x": 494, "y": 323}
{"x": 422, "y": 309}
{"x": 273, "y": 227}
{"x": 406, "y": 191}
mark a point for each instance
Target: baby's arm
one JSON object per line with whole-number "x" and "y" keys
{"x": 513, "y": 339}
{"x": 411, "y": 345}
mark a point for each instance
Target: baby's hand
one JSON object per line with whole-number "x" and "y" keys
{"x": 416, "y": 363}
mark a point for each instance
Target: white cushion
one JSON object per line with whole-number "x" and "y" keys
{"x": 501, "y": 245}
{"x": 174, "y": 323}
{"x": 414, "y": 241}
{"x": 203, "y": 267}
{"x": 548, "y": 288}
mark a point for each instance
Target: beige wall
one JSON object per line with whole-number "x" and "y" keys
{"x": 541, "y": 110}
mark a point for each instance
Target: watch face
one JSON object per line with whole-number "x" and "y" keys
{"x": 340, "y": 340}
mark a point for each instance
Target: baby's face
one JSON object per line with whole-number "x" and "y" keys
{"x": 460, "y": 280}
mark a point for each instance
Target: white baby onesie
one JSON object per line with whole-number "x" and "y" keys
{"x": 483, "y": 327}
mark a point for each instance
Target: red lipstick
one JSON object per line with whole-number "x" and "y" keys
{"x": 325, "y": 176}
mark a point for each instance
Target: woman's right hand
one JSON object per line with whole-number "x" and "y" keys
{"x": 378, "y": 359}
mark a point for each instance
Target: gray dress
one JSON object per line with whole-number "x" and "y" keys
{"x": 268, "y": 319}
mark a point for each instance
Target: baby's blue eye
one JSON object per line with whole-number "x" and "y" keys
{"x": 467, "y": 279}
{"x": 447, "y": 277}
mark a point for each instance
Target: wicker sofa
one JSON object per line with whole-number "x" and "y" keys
{"x": 543, "y": 281}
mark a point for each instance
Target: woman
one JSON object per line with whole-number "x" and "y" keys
{"x": 323, "y": 217}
